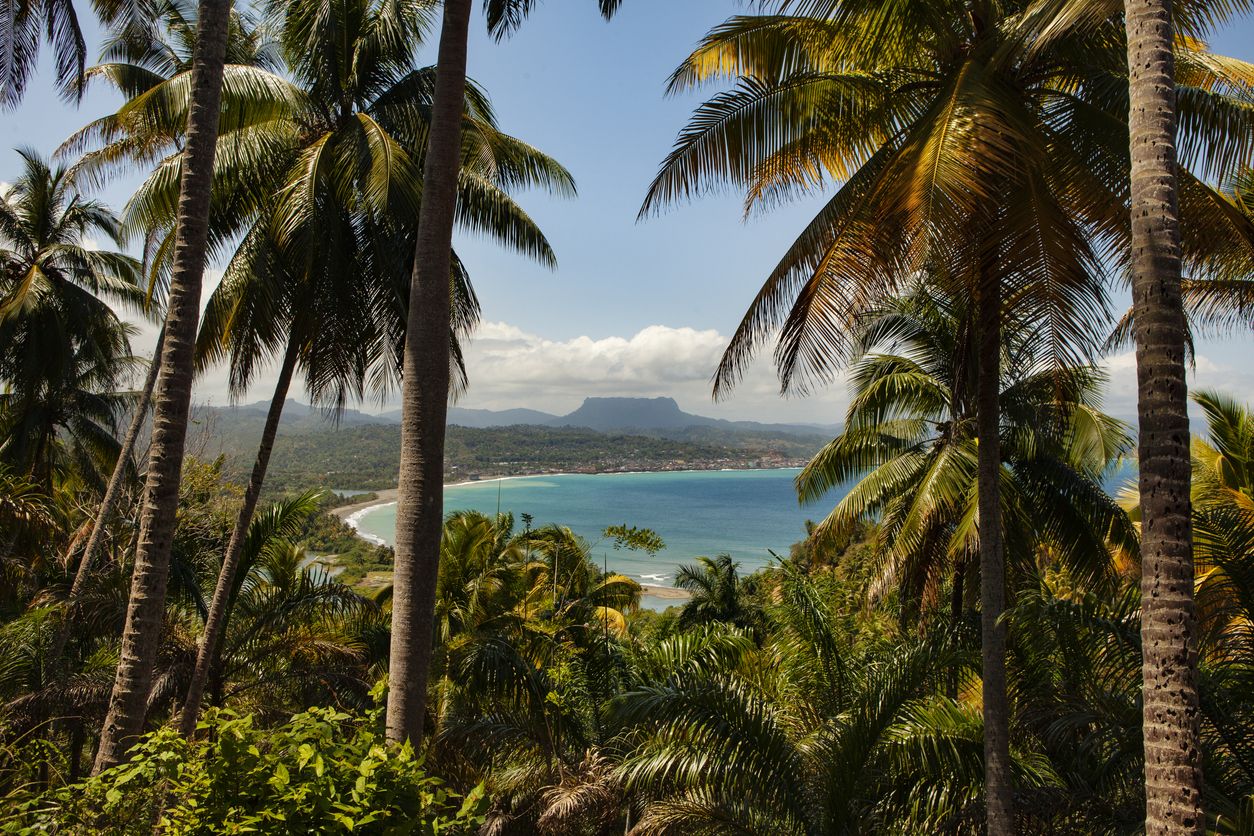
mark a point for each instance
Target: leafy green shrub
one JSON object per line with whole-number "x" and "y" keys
{"x": 322, "y": 772}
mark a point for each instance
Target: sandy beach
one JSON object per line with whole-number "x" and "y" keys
{"x": 381, "y": 498}
{"x": 344, "y": 512}
{"x": 666, "y": 593}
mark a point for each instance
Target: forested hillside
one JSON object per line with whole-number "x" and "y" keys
{"x": 363, "y": 457}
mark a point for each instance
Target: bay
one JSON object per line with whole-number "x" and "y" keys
{"x": 744, "y": 513}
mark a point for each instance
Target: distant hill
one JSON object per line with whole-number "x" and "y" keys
{"x": 480, "y": 418}
{"x": 650, "y": 415}
{"x": 646, "y": 416}
{"x": 366, "y": 456}
{"x": 606, "y": 414}
{"x": 296, "y": 415}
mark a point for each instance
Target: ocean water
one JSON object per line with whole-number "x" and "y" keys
{"x": 744, "y": 513}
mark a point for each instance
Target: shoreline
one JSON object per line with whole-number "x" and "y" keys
{"x": 387, "y": 496}
{"x": 665, "y": 593}
{"x": 354, "y": 511}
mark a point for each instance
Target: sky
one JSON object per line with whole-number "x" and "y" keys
{"x": 634, "y": 307}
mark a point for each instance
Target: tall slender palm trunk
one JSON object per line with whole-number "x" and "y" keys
{"x": 111, "y": 494}
{"x": 146, "y": 610}
{"x": 998, "y": 784}
{"x": 424, "y": 394}
{"x": 1170, "y": 724}
{"x": 215, "y": 622}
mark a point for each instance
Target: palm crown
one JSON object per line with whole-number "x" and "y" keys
{"x": 907, "y": 455}
{"x": 988, "y": 140}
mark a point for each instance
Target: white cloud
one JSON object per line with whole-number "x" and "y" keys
{"x": 510, "y": 367}
{"x": 507, "y": 356}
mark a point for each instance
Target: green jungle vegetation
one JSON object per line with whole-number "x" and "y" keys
{"x": 365, "y": 457}
{"x": 977, "y": 638}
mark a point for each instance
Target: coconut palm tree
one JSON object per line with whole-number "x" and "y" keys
{"x": 313, "y": 274}
{"x": 909, "y": 448}
{"x": 1173, "y": 777}
{"x": 965, "y": 155}
{"x": 425, "y": 388}
{"x": 63, "y": 349}
{"x": 1223, "y": 552}
{"x": 25, "y": 25}
{"x": 139, "y": 59}
{"x": 718, "y": 593}
{"x": 172, "y": 396}
{"x": 530, "y": 645}
{"x": 155, "y": 62}
{"x": 291, "y": 625}
{"x": 64, "y": 428}
{"x": 1222, "y": 488}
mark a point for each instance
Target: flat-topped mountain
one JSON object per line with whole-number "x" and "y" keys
{"x": 638, "y": 413}
{"x": 648, "y": 415}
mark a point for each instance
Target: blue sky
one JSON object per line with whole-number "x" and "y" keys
{"x": 633, "y": 308}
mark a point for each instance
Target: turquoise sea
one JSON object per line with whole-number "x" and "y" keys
{"x": 745, "y": 513}
{"x": 741, "y": 512}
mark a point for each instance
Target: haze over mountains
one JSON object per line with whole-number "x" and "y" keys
{"x": 646, "y": 416}
{"x": 603, "y": 435}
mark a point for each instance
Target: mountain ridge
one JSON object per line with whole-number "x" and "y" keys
{"x": 651, "y": 416}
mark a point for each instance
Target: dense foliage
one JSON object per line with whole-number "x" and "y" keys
{"x": 364, "y": 457}
{"x": 960, "y": 275}
{"x": 320, "y": 771}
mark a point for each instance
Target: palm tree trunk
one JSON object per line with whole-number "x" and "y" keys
{"x": 146, "y": 610}
{"x": 1173, "y": 768}
{"x": 998, "y": 787}
{"x": 958, "y": 595}
{"x": 112, "y": 491}
{"x": 425, "y": 387}
{"x": 215, "y": 622}
{"x": 957, "y": 601}
{"x": 78, "y": 737}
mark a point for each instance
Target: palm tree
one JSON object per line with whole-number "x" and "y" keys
{"x": 141, "y": 60}
{"x": 530, "y": 646}
{"x": 717, "y": 593}
{"x": 1222, "y": 489}
{"x": 27, "y": 516}
{"x": 314, "y": 273}
{"x": 27, "y": 22}
{"x": 977, "y": 154}
{"x": 63, "y": 429}
{"x": 154, "y": 62}
{"x": 172, "y": 395}
{"x": 909, "y": 446}
{"x": 1173, "y": 769}
{"x": 289, "y": 625}
{"x": 1223, "y": 551}
{"x": 425, "y": 387}
{"x": 63, "y": 348}
{"x": 806, "y": 735}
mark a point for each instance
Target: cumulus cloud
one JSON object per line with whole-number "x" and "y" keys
{"x": 504, "y": 355}
{"x": 511, "y": 367}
